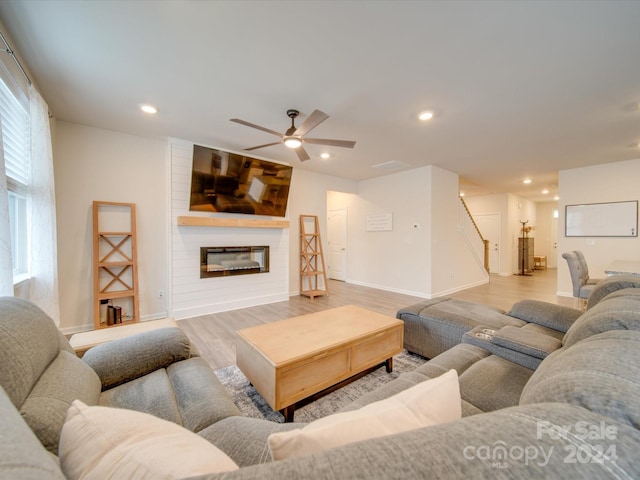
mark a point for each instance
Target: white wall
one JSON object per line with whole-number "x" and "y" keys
{"x": 453, "y": 265}
{"x": 396, "y": 260}
{"x": 611, "y": 182}
{"x": 427, "y": 261}
{"x": 93, "y": 164}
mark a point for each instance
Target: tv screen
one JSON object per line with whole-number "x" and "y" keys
{"x": 232, "y": 183}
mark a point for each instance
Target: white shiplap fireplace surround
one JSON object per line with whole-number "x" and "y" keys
{"x": 191, "y": 295}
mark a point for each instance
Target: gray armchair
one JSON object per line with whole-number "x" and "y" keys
{"x": 155, "y": 372}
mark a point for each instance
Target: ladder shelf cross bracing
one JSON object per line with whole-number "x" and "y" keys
{"x": 313, "y": 278}
{"x": 115, "y": 269}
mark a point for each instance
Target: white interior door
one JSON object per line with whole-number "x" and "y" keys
{"x": 337, "y": 242}
{"x": 489, "y": 226}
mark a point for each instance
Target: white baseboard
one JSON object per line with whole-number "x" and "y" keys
{"x": 189, "y": 312}
{"x": 457, "y": 289}
{"x": 389, "y": 289}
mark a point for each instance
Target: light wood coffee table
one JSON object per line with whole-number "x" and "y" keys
{"x": 299, "y": 358}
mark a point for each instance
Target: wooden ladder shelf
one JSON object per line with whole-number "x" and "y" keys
{"x": 313, "y": 279}
{"x": 115, "y": 265}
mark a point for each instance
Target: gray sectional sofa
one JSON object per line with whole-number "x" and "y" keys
{"x": 436, "y": 325}
{"x": 573, "y": 414}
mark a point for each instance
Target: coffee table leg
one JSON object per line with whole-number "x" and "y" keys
{"x": 389, "y": 364}
{"x": 288, "y": 413}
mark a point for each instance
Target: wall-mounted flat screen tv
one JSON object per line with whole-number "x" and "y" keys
{"x": 232, "y": 183}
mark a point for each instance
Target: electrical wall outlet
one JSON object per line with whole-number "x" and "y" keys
{"x": 160, "y": 293}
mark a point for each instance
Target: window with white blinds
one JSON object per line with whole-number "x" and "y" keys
{"x": 14, "y": 125}
{"x": 15, "y": 138}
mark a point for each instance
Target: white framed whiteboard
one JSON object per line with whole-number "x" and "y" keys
{"x": 612, "y": 219}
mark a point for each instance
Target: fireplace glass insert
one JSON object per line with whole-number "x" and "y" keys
{"x": 225, "y": 261}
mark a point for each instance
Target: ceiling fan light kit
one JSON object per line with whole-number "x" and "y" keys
{"x": 294, "y": 137}
{"x": 292, "y": 142}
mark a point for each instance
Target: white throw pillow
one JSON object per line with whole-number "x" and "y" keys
{"x": 428, "y": 403}
{"x": 114, "y": 443}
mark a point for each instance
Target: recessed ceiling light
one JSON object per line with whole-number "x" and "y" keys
{"x": 148, "y": 109}
{"x": 526, "y": 181}
{"x": 325, "y": 155}
{"x": 462, "y": 194}
{"x": 556, "y": 197}
{"x": 545, "y": 191}
{"x": 424, "y": 116}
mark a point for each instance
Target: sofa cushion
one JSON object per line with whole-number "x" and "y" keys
{"x": 600, "y": 373}
{"x": 609, "y": 285}
{"x": 434, "y": 326}
{"x": 526, "y": 341}
{"x": 556, "y": 317}
{"x": 201, "y": 399}
{"x": 112, "y": 443}
{"x": 22, "y": 456}
{"x": 460, "y": 358}
{"x": 494, "y": 383}
{"x": 67, "y": 378}
{"x": 532, "y": 327}
{"x": 151, "y": 394}
{"x": 244, "y": 439}
{"x": 483, "y": 338}
{"x": 429, "y": 403}
{"x": 618, "y": 311}
{"x": 187, "y": 393}
{"x": 153, "y": 350}
{"x": 29, "y": 341}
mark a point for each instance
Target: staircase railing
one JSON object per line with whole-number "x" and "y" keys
{"x": 468, "y": 224}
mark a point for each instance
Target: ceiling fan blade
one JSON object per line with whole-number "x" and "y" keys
{"x": 253, "y": 125}
{"x": 311, "y": 122}
{"x": 334, "y": 143}
{"x": 302, "y": 154}
{"x": 262, "y": 146}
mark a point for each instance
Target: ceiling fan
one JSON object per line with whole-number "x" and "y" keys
{"x": 295, "y": 137}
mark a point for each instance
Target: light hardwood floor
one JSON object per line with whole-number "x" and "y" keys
{"x": 215, "y": 338}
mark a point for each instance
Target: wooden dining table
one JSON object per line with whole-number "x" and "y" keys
{"x": 623, "y": 267}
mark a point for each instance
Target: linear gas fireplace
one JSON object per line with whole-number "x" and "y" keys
{"x": 225, "y": 261}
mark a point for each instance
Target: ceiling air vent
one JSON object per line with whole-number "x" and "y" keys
{"x": 391, "y": 165}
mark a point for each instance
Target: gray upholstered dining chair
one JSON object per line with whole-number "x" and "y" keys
{"x": 583, "y": 264}
{"x": 582, "y": 284}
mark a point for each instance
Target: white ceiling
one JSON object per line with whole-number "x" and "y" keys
{"x": 520, "y": 88}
